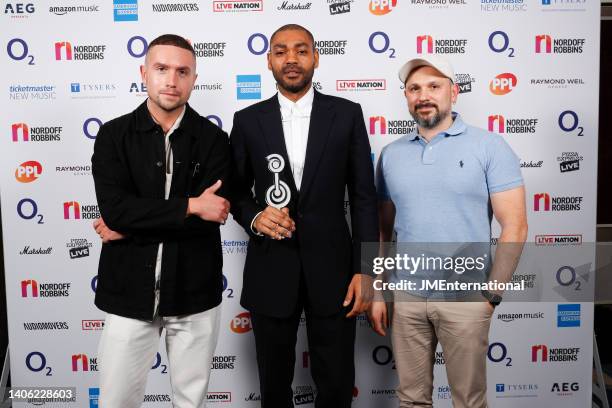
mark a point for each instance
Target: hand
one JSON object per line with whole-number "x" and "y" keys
{"x": 378, "y": 317}
{"x": 209, "y": 206}
{"x": 275, "y": 223}
{"x": 360, "y": 290}
{"x": 105, "y": 233}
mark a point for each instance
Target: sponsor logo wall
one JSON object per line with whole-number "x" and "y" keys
{"x": 526, "y": 70}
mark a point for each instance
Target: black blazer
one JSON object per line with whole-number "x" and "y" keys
{"x": 338, "y": 157}
{"x": 128, "y": 167}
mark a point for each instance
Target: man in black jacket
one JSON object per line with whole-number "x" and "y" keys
{"x": 301, "y": 150}
{"x": 159, "y": 174}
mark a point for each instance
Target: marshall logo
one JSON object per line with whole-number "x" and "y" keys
{"x": 292, "y": 6}
{"x": 36, "y": 251}
{"x": 531, "y": 164}
{"x": 253, "y": 397}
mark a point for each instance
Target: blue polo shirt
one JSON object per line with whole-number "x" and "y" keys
{"x": 441, "y": 189}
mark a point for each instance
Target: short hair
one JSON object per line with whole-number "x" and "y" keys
{"x": 298, "y": 27}
{"x": 172, "y": 39}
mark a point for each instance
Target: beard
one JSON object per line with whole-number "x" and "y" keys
{"x": 293, "y": 87}
{"x": 166, "y": 105}
{"x": 434, "y": 120}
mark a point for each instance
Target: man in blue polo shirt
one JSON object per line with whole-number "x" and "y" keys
{"x": 443, "y": 184}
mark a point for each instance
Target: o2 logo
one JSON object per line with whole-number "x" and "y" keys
{"x": 500, "y": 46}
{"x": 94, "y": 283}
{"x": 567, "y": 276}
{"x": 258, "y": 44}
{"x": 17, "y": 49}
{"x": 216, "y": 120}
{"x": 382, "y": 355}
{"x": 568, "y": 122}
{"x": 37, "y": 362}
{"x": 87, "y": 127}
{"x": 163, "y": 368}
{"x": 137, "y": 46}
{"x": 380, "y": 43}
{"x": 498, "y": 353}
{"x": 28, "y": 209}
{"x": 230, "y": 291}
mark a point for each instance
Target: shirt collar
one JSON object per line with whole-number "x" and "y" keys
{"x": 457, "y": 128}
{"x": 303, "y": 105}
{"x": 147, "y": 122}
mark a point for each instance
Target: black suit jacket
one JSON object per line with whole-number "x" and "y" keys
{"x": 128, "y": 167}
{"x": 338, "y": 157}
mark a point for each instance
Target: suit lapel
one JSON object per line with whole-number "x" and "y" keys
{"x": 321, "y": 119}
{"x": 271, "y": 124}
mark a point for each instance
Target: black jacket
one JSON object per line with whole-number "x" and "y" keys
{"x": 128, "y": 168}
{"x": 338, "y": 158}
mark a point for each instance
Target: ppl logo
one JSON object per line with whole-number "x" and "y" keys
{"x": 82, "y": 358}
{"x": 503, "y": 84}
{"x": 543, "y": 43}
{"x": 125, "y": 10}
{"x": 539, "y": 199}
{"x": 424, "y": 44}
{"x": 241, "y": 323}
{"x": 64, "y": 46}
{"x": 76, "y": 210}
{"x": 382, "y": 125}
{"x": 32, "y": 284}
{"x": 382, "y": 7}
{"x": 539, "y": 351}
{"x": 28, "y": 172}
{"x": 20, "y": 128}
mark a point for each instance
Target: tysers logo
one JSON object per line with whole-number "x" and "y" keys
{"x": 503, "y": 84}
{"x": 28, "y": 172}
{"x": 241, "y": 323}
{"x": 382, "y": 7}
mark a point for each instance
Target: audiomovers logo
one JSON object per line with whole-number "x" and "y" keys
{"x": 221, "y": 6}
{"x": 28, "y": 172}
{"x": 241, "y": 323}
{"x": 503, "y": 84}
{"x": 544, "y": 44}
{"x": 544, "y": 202}
{"x": 64, "y": 50}
{"x": 44, "y": 326}
{"x": 73, "y": 210}
{"x": 80, "y": 362}
{"x": 382, "y": 7}
{"x": 499, "y": 124}
{"x": 175, "y": 7}
{"x": 31, "y": 288}
{"x": 558, "y": 240}
{"x": 381, "y": 126}
{"x": 25, "y": 133}
{"x": 361, "y": 84}
{"x": 542, "y": 353}
{"x": 426, "y": 44}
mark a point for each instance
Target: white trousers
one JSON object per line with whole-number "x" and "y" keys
{"x": 127, "y": 351}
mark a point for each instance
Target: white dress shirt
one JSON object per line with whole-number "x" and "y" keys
{"x": 296, "y": 123}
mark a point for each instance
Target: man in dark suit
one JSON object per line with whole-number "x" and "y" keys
{"x": 158, "y": 173}
{"x": 300, "y": 150}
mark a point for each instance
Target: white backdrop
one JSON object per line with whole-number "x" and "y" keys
{"x": 61, "y": 99}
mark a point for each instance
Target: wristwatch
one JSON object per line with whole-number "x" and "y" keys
{"x": 494, "y": 299}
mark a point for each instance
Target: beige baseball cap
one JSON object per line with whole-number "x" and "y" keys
{"x": 440, "y": 64}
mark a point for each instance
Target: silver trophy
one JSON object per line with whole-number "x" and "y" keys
{"x": 279, "y": 194}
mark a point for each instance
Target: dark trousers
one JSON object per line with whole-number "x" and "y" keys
{"x": 331, "y": 343}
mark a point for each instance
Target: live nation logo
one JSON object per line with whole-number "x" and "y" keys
{"x": 558, "y": 240}
{"x": 88, "y": 325}
{"x": 361, "y": 84}
{"x": 232, "y": 6}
